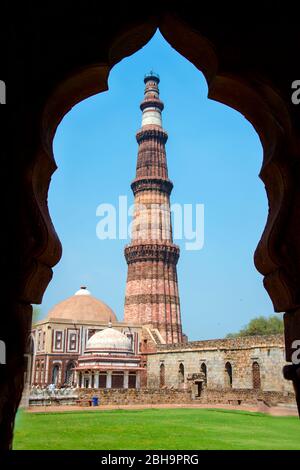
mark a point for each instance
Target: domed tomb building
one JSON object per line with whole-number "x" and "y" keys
{"x": 109, "y": 361}
{"x": 64, "y": 335}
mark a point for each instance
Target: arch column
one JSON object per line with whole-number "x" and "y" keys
{"x": 96, "y": 380}
{"x": 126, "y": 376}
{"x": 138, "y": 379}
{"x": 108, "y": 379}
{"x": 78, "y": 379}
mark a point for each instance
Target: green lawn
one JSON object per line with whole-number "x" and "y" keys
{"x": 156, "y": 429}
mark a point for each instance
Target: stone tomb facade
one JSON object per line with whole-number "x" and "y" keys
{"x": 245, "y": 363}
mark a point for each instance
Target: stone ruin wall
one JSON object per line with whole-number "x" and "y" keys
{"x": 184, "y": 397}
{"x": 267, "y": 351}
{"x": 137, "y": 396}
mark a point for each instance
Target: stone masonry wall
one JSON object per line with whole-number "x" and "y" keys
{"x": 241, "y": 353}
{"x": 240, "y": 342}
{"x": 242, "y": 397}
{"x": 137, "y": 396}
{"x": 170, "y": 396}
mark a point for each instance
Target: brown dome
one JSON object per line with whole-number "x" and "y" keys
{"x": 82, "y": 307}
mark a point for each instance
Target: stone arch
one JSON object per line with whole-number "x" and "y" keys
{"x": 181, "y": 374}
{"x": 256, "y": 378}
{"x": 203, "y": 369}
{"x": 55, "y": 373}
{"x": 228, "y": 375}
{"x": 162, "y": 375}
{"x": 66, "y": 77}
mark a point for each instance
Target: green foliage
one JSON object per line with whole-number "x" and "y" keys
{"x": 176, "y": 429}
{"x": 261, "y": 326}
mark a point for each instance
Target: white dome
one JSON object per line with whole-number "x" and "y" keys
{"x": 109, "y": 340}
{"x": 82, "y": 291}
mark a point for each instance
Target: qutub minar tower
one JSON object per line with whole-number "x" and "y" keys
{"x": 152, "y": 296}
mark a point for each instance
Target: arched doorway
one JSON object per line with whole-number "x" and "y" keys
{"x": 228, "y": 375}
{"x": 86, "y": 380}
{"x": 55, "y": 374}
{"x": 203, "y": 370}
{"x": 181, "y": 375}
{"x": 203, "y": 381}
{"x": 70, "y": 373}
{"x": 256, "y": 381}
{"x": 117, "y": 379}
{"x": 162, "y": 376}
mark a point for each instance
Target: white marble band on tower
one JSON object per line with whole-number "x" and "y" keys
{"x": 151, "y": 116}
{"x": 152, "y": 105}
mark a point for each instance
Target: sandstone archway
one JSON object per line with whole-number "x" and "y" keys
{"x": 238, "y": 74}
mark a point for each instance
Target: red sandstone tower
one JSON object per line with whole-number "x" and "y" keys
{"x": 152, "y": 296}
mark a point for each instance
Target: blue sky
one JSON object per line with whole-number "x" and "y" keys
{"x": 214, "y": 157}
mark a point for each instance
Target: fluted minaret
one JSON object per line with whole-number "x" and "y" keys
{"x": 152, "y": 296}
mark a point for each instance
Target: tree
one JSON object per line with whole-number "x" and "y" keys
{"x": 261, "y": 326}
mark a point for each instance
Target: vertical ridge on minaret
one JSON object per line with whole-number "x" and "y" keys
{"x": 152, "y": 289}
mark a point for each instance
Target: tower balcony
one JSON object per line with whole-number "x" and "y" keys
{"x": 151, "y": 132}
{"x": 166, "y": 252}
{"x": 151, "y": 184}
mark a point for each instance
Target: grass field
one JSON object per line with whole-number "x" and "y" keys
{"x": 176, "y": 429}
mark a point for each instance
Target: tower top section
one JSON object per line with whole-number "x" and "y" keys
{"x": 151, "y": 105}
{"x": 151, "y": 76}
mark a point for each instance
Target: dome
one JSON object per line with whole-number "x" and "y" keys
{"x": 82, "y": 307}
{"x": 109, "y": 340}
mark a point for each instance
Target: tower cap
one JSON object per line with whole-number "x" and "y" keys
{"x": 151, "y": 76}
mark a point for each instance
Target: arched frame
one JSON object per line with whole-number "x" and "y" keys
{"x": 71, "y": 74}
{"x": 256, "y": 100}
